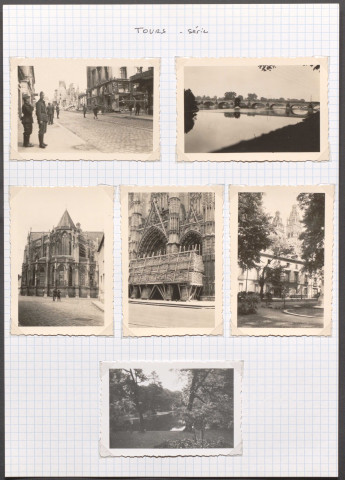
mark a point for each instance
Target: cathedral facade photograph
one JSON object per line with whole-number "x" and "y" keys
{"x": 172, "y": 250}
{"x": 62, "y": 245}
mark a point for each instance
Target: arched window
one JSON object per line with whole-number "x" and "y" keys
{"x": 60, "y": 276}
{"x": 70, "y": 276}
{"x": 65, "y": 244}
{"x": 82, "y": 251}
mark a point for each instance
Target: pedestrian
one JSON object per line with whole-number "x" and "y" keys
{"x": 95, "y": 112}
{"x": 58, "y": 294}
{"x": 42, "y": 119}
{"x": 137, "y": 108}
{"x": 84, "y": 110}
{"x": 134, "y": 106}
{"x": 27, "y": 120}
{"x": 54, "y": 294}
{"x": 130, "y": 107}
{"x": 49, "y": 112}
{"x": 57, "y": 111}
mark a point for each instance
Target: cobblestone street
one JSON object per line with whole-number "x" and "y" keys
{"x": 40, "y": 311}
{"x": 111, "y": 132}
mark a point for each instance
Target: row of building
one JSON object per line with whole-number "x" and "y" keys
{"x": 110, "y": 91}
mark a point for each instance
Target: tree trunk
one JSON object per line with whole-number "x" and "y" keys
{"x": 137, "y": 402}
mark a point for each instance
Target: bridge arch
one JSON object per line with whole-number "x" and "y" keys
{"x": 153, "y": 241}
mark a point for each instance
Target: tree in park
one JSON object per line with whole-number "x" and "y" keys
{"x": 252, "y": 97}
{"x": 254, "y": 229}
{"x": 229, "y": 95}
{"x": 313, "y": 235}
{"x": 207, "y": 400}
{"x": 125, "y": 386}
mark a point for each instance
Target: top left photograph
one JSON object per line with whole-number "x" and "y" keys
{"x": 85, "y": 109}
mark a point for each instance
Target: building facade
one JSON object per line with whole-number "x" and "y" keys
{"x": 26, "y": 85}
{"x": 297, "y": 282}
{"x": 64, "y": 258}
{"x": 113, "y": 91}
{"x": 172, "y": 246}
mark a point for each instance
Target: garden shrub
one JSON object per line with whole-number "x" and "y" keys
{"x": 247, "y": 302}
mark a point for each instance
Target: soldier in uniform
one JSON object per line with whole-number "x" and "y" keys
{"x": 27, "y": 120}
{"x": 42, "y": 119}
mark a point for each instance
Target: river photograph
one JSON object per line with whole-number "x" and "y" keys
{"x": 252, "y": 108}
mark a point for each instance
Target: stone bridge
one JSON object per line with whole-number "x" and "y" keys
{"x": 311, "y": 106}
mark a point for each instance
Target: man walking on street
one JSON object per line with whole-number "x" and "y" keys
{"x": 42, "y": 119}
{"x": 50, "y": 111}
{"x": 27, "y": 120}
{"x": 95, "y": 112}
{"x": 84, "y": 110}
{"x": 57, "y": 111}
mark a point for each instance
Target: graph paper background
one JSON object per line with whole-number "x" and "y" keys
{"x": 289, "y": 418}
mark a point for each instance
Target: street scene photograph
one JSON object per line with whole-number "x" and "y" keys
{"x": 172, "y": 265}
{"x": 173, "y": 407}
{"x": 79, "y": 109}
{"x": 250, "y": 109}
{"x": 281, "y": 274}
{"x": 58, "y": 239}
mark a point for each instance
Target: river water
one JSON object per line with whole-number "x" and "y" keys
{"x": 216, "y": 129}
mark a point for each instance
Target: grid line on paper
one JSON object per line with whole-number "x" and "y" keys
{"x": 289, "y": 417}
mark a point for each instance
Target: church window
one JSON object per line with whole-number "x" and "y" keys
{"x": 41, "y": 276}
{"x": 82, "y": 276}
{"x": 70, "y": 276}
{"x": 60, "y": 276}
{"x": 65, "y": 244}
{"x": 82, "y": 251}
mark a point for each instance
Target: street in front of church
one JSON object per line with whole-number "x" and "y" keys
{"x": 70, "y": 312}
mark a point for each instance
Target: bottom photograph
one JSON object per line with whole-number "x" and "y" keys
{"x": 170, "y": 409}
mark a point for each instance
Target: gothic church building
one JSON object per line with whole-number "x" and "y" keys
{"x": 64, "y": 258}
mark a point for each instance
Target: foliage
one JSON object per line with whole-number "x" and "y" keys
{"x": 247, "y": 302}
{"x": 192, "y": 443}
{"x": 254, "y": 228}
{"x": 313, "y": 236}
{"x": 190, "y": 104}
{"x": 229, "y": 95}
{"x": 252, "y": 97}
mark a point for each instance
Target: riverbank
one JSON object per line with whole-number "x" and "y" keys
{"x": 302, "y": 137}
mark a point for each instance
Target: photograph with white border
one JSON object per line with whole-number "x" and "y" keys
{"x": 252, "y": 109}
{"x": 62, "y": 260}
{"x": 163, "y": 409}
{"x": 281, "y": 244}
{"x": 84, "y": 109}
{"x": 172, "y": 260}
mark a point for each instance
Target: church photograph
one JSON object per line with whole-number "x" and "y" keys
{"x": 58, "y": 239}
{"x": 280, "y": 257}
{"x": 172, "y": 259}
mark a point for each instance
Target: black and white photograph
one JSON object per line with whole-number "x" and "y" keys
{"x": 61, "y": 245}
{"x": 68, "y": 109}
{"x": 253, "y": 110}
{"x": 281, "y": 260}
{"x": 171, "y": 408}
{"x": 172, "y": 260}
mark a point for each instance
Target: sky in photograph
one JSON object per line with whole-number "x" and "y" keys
{"x": 47, "y": 77}
{"x": 168, "y": 376}
{"x": 275, "y": 200}
{"x": 42, "y": 208}
{"x": 289, "y": 81}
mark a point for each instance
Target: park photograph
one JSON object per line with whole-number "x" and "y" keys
{"x": 242, "y": 109}
{"x": 170, "y": 407}
{"x": 281, "y": 251}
